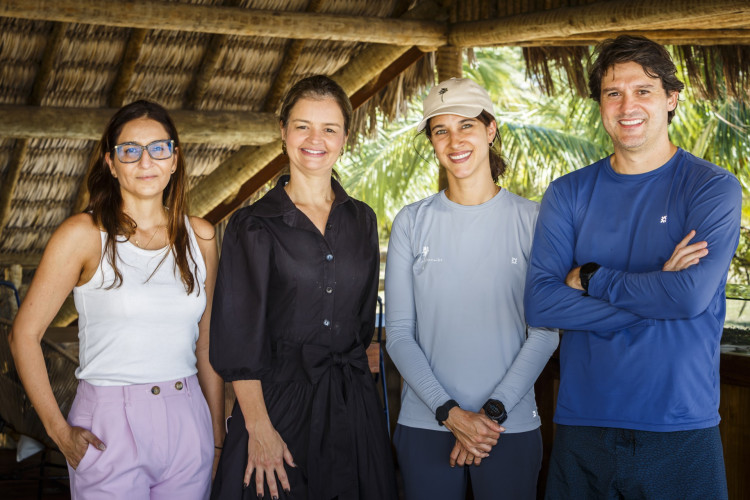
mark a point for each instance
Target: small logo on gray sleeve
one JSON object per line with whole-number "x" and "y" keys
{"x": 514, "y": 260}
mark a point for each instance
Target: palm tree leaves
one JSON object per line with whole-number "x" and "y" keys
{"x": 542, "y": 138}
{"x": 395, "y": 169}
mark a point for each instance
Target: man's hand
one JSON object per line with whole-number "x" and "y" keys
{"x": 573, "y": 279}
{"x": 685, "y": 255}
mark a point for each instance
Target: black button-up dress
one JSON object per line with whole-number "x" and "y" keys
{"x": 296, "y": 310}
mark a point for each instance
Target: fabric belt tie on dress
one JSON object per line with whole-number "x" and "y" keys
{"x": 330, "y": 468}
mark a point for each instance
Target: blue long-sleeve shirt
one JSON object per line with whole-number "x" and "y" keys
{"x": 642, "y": 351}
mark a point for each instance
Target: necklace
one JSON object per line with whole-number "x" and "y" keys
{"x": 138, "y": 243}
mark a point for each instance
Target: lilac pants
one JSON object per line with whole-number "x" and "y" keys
{"x": 159, "y": 442}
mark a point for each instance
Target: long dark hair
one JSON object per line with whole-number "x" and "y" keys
{"x": 653, "y": 58}
{"x": 497, "y": 163}
{"x": 105, "y": 200}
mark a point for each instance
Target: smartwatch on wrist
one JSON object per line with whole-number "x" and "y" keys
{"x": 585, "y": 273}
{"x": 441, "y": 414}
{"x": 495, "y": 410}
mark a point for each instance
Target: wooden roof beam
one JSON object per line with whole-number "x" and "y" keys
{"x": 209, "y": 64}
{"x": 127, "y": 67}
{"x": 237, "y": 178}
{"x": 148, "y": 14}
{"x": 223, "y": 187}
{"x": 28, "y": 260}
{"x": 666, "y": 37}
{"x": 288, "y": 64}
{"x": 200, "y": 127}
{"x": 217, "y": 196}
{"x": 116, "y": 99}
{"x": 603, "y": 16}
{"x": 43, "y": 76}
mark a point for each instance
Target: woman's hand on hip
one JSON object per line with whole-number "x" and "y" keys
{"x": 266, "y": 454}
{"x": 476, "y": 432}
{"x": 73, "y": 443}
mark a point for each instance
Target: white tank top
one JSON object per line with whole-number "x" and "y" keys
{"x": 144, "y": 330}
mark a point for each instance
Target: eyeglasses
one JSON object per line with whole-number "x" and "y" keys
{"x": 130, "y": 152}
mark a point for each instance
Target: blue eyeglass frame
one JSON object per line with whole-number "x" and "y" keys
{"x": 147, "y": 147}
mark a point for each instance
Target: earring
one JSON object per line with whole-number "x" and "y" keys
{"x": 283, "y": 147}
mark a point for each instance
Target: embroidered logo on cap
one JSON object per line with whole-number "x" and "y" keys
{"x": 442, "y": 91}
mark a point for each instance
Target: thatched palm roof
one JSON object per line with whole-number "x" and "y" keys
{"x": 223, "y": 65}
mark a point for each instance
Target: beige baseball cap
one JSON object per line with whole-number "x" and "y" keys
{"x": 457, "y": 96}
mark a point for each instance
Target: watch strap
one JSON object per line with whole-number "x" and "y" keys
{"x": 441, "y": 414}
{"x": 585, "y": 273}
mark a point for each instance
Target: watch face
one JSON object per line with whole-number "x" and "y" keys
{"x": 495, "y": 410}
{"x": 492, "y": 409}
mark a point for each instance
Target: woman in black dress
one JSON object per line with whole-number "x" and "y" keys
{"x": 293, "y": 314}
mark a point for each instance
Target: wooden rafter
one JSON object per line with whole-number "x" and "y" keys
{"x": 148, "y": 14}
{"x": 288, "y": 64}
{"x": 603, "y": 16}
{"x": 66, "y": 314}
{"x": 202, "y": 78}
{"x": 22, "y": 259}
{"x": 10, "y": 181}
{"x": 201, "y": 127}
{"x": 666, "y": 37}
{"x": 227, "y": 179}
{"x": 238, "y": 178}
{"x": 127, "y": 67}
{"x": 13, "y": 171}
{"x": 116, "y": 99}
{"x": 209, "y": 63}
{"x": 263, "y": 171}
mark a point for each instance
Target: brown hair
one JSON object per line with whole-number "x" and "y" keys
{"x": 105, "y": 199}
{"x": 653, "y": 58}
{"x": 497, "y": 163}
{"x": 316, "y": 87}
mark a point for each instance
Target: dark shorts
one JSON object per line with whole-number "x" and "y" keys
{"x": 609, "y": 463}
{"x": 510, "y": 472}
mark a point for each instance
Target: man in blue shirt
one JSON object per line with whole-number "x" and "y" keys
{"x": 630, "y": 258}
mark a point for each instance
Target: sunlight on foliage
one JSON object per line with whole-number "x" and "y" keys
{"x": 542, "y": 138}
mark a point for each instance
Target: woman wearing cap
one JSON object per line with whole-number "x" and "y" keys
{"x": 142, "y": 275}
{"x": 455, "y": 321}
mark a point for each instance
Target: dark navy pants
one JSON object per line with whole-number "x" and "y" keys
{"x": 603, "y": 463}
{"x": 510, "y": 472}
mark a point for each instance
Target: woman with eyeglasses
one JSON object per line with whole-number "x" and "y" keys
{"x": 142, "y": 274}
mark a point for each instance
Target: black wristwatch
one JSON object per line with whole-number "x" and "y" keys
{"x": 495, "y": 410}
{"x": 585, "y": 273}
{"x": 441, "y": 414}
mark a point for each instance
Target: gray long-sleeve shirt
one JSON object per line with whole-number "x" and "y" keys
{"x": 455, "y": 322}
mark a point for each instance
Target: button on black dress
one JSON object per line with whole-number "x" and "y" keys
{"x": 295, "y": 309}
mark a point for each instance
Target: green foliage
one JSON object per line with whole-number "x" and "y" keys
{"x": 542, "y": 138}
{"x": 392, "y": 171}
